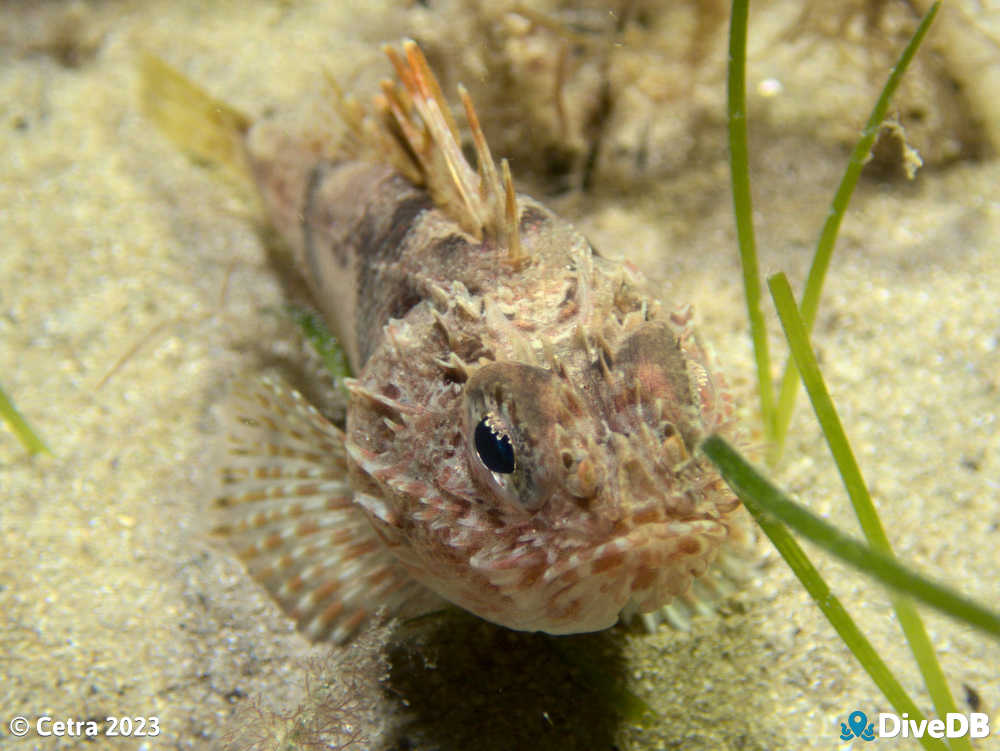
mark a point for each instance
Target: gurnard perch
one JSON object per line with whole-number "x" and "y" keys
{"x": 522, "y": 431}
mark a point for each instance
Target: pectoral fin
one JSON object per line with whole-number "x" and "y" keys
{"x": 286, "y": 506}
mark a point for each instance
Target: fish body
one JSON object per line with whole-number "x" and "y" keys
{"x": 522, "y": 428}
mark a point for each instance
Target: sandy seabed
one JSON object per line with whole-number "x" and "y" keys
{"x": 134, "y": 286}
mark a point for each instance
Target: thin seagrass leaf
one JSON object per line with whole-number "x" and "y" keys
{"x": 761, "y": 498}
{"x": 828, "y": 235}
{"x": 826, "y": 413}
{"x": 24, "y": 432}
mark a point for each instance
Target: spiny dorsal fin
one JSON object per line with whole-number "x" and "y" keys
{"x": 369, "y": 139}
{"x": 415, "y": 115}
{"x": 286, "y": 506}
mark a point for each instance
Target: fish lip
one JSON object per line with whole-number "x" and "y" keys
{"x": 653, "y": 535}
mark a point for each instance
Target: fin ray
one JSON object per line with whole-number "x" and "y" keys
{"x": 414, "y": 112}
{"x": 286, "y": 507}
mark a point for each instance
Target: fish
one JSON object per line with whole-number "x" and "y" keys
{"x": 523, "y": 422}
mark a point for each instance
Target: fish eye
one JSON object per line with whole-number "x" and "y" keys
{"x": 494, "y": 448}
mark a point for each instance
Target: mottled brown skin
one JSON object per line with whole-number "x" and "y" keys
{"x": 462, "y": 306}
{"x": 602, "y": 396}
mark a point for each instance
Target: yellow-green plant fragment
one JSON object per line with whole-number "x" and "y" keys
{"x": 315, "y": 330}
{"x": 28, "y": 437}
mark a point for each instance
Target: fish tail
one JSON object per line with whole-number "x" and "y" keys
{"x": 207, "y": 129}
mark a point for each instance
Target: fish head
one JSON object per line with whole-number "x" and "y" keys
{"x": 615, "y": 505}
{"x": 555, "y": 492}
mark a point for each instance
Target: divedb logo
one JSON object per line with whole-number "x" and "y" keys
{"x": 889, "y": 725}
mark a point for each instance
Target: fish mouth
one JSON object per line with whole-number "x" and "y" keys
{"x": 646, "y": 568}
{"x": 586, "y": 589}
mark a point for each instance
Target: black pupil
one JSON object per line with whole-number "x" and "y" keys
{"x": 494, "y": 448}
